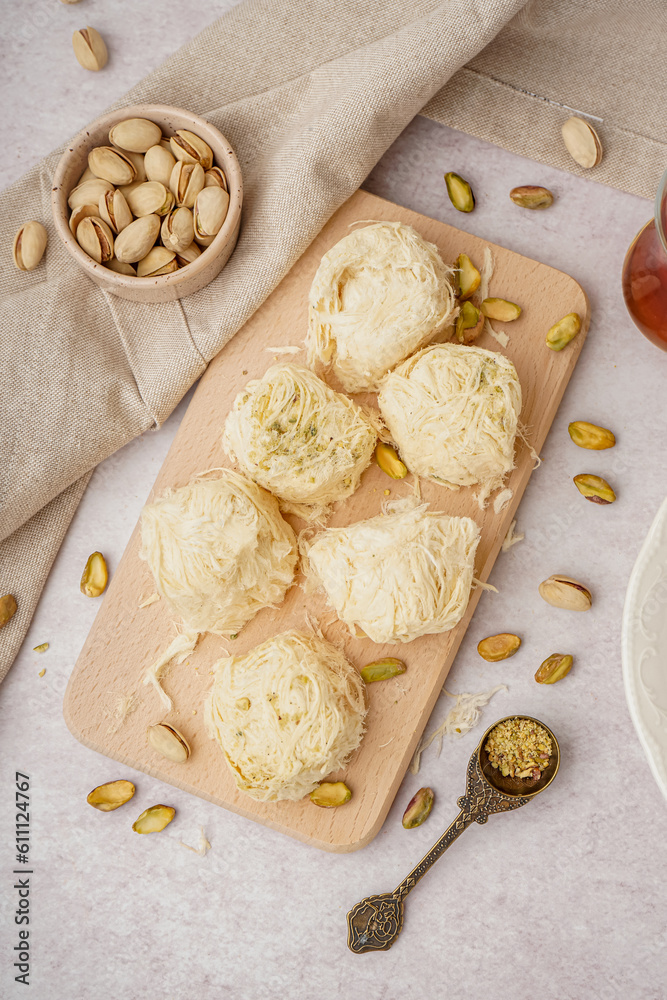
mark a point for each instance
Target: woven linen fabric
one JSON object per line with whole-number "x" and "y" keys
{"x": 310, "y": 94}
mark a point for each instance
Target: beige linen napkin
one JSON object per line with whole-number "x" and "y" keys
{"x": 310, "y": 94}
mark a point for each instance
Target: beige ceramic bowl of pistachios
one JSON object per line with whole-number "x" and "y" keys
{"x": 192, "y": 274}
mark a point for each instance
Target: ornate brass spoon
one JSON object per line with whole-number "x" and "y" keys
{"x": 376, "y": 921}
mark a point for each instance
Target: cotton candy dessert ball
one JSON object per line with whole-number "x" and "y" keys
{"x": 286, "y": 714}
{"x": 379, "y": 294}
{"x": 219, "y": 551}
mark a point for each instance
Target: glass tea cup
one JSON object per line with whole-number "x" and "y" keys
{"x": 645, "y": 274}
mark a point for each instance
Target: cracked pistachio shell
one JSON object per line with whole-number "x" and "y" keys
{"x": 29, "y": 245}
{"x": 111, "y": 165}
{"x": 95, "y": 237}
{"x": 88, "y": 193}
{"x": 150, "y": 198}
{"x": 82, "y": 212}
{"x": 158, "y": 164}
{"x": 157, "y": 261}
{"x": 215, "y": 177}
{"x": 120, "y": 267}
{"x": 115, "y": 211}
{"x": 134, "y": 242}
{"x": 89, "y": 49}
{"x": 178, "y": 230}
{"x": 185, "y": 257}
{"x": 189, "y": 147}
{"x": 154, "y": 819}
{"x": 136, "y": 135}
{"x": 111, "y": 795}
{"x": 209, "y": 214}
{"x": 563, "y": 592}
{"x": 168, "y": 742}
{"x": 185, "y": 183}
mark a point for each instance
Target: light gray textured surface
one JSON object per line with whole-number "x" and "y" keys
{"x": 564, "y": 898}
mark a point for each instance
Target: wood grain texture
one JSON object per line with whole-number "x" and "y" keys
{"x": 125, "y": 639}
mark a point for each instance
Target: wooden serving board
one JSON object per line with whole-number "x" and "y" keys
{"x": 125, "y": 639}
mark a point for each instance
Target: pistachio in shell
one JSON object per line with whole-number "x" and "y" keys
{"x": 563, "y": 592}
{"x": 215, "y": 177}
{"x": 111, "y": 795}
{"x": 190, "y": 148}
{"x": 168, "y": 742}
{"x": 115, "y": 211}
{"x": 157, "y": 261}
{"x": 154, "y": 819}
{"x": 150, "y": 198}
{"x": 135, "y": 241}
{"x": 120, "y": 267}
{"x": 88, "y": 192}
{"x": 135, "y": 135}
{"x": 188, "y": 255}
{"x": 111, "y": 165}
{"x": 29, "y": 245}
{"x": 330, "y": 794}
{"x": 95, "y": 237}
{"x": 89, "y": 49}
{"x": 158, "y": 164}
{"x": 83, "y": 212}
{"x": 582, "y": 142}
{"x": 177, "y": 230}
{"x": 209, "y": 213}
{"x": 186, "y": 181}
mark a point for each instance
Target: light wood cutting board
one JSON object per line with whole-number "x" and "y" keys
{"x": 125, "y": 639}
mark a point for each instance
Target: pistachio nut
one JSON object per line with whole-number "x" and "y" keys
{"x": 189, "y": 147}
{"x": 564, "y": 592}
{"x": 467, "y": 276}
{"x": 8, "y": 608}
{"x": 95, "y": 575}
{"x": 137, "y": 161}
{"x": 243, "y": 704}
{"x": 95, "y": 237}
{"x": 331, "y": 793}
{"x": 168, "y": 742}
{"x": 209, "y": 213}
{"x": 87, "y": 175}
{"x": 469, "y": 323}
{"x": 595, "y": 489}
{"x": 562, "y": 332}
{"x": 186, "y": 181}
{"x": 127, "y": 189}
{"x": 157, "y": 261}
{"x": 215, "y": 177}
{"x": 582, "y": 142}
{"x": 115, "y": 211}
{"x": 42, "y": 648}
{"x": 88, "y": 193}
{"x": 389, "y": 462}
{"x": 154, "y": 819}
{"x": 120, "y": 267}
{"x": 29, "y": 245}
{"x": 460, "y": 193}
{"x": 165, "y": 143}
{"x": 382, "y": 670}
{"x": 111, "y": 165}
{"x": 178, "y": 229}
{"x": 158, "y": 164}
{"x": 89, "y": 48}
{"x": 83, "y": 212}
{"x": 501, "y": 310}
{"x": 554, "y": 668}
{"x": 419, "y": 808}
{"x": 498, "y": 647}
{"x": 530, "y": 196}
{"x": 136, "y": 135}
{"x": 591, "y": 436}
{"x": 150, "y": 198}
{"x": 134, "y": 242}
{"x": 111, "y": 795}
{"x": 187, "y": 256}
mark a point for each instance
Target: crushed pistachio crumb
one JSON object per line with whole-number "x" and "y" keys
{"x": 42, "y": 672}
{"x": 42, "y": 648}
{"x": 519, "y": 748}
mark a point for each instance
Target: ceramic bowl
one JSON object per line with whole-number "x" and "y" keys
{"x": 165, "y": 287}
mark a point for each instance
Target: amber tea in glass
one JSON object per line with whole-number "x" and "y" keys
{"x": 645, "y": 274}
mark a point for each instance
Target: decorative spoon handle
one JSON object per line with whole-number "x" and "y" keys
{"x": 376, "y": 921}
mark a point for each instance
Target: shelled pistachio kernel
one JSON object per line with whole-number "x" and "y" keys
{"x": 554, "y": 668}
{"x": 498, "y": 647}
{"x": 562, "y": 332}
{"x": 531, "y": 196}
{"x": 168, "y": 742}
{"x": 111, "y": 795}
{"x": 469, "y": 323}
{"x": 564, "y": 592}
{"x": 42, "y": 648}
{"x": 8, "y": 608}
{"x": 595, "y": 488}
{"x": 467, "y": 277}
{"x": 500, "y": 310}
{"x": 154, "y": 819}
{"x": 388, "y": 460}
{"x": 460, "y": 192}
{"x": 419, "y": 808}
{"x": 591, "y": 436}
{"x": 329, "y": 794}
{"x": 95, "y": 575}
{"x": 382, "y": 670}
{"x": 29, "y": 245}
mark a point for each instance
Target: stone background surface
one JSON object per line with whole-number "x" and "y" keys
{"x": 564, "y": 898}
